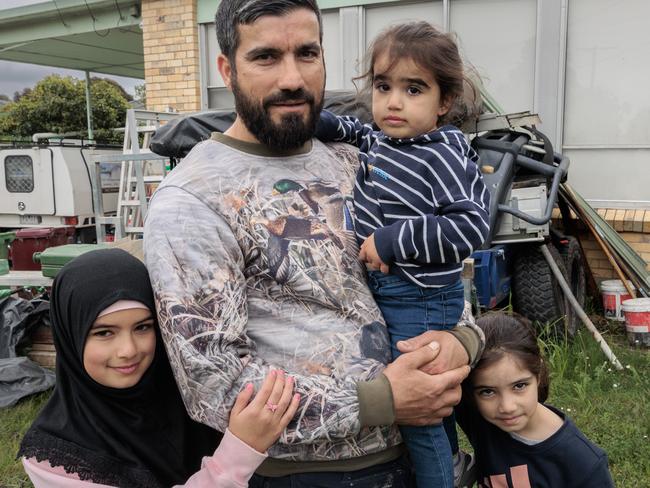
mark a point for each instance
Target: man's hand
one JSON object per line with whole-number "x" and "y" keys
{"x": 452, "y": 354}
{"x": 420, "y": 398}
{"x": 368, "y": 254}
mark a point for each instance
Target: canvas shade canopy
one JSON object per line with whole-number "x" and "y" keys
{"x": 94, "y": 36}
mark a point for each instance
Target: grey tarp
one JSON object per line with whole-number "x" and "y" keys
{"x": 17, "y": 318}
{"x": 20, "y": 376}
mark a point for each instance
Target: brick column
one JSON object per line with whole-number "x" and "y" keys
{"x": 171, "y": 55}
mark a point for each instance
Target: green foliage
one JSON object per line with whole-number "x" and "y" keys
{"x": 58, "y": 104}
{"x": 141, "y": 94}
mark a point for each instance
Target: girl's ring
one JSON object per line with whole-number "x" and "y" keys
{"x": 272, "y": 406}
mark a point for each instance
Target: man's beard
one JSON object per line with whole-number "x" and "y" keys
{"x": 292, "y": 132}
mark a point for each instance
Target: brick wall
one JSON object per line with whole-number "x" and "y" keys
{"x": 599, "y": 263}
{"x": 171, "y": 55}
{"x": 634, "y": 228}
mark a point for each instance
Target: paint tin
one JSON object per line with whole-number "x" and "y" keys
{"x": 614, "y": 294}
{"x": 637, "y": 321}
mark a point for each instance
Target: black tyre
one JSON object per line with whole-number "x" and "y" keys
{"x": 576, "y": 278}
{"x": 536, "y": 293}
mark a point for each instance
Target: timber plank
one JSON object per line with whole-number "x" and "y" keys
{"x": 628, "y": 221}
{"x": 619, "y": 220}
{"x": 638, "y": 220}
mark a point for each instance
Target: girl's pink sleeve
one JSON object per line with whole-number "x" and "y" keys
{"x": 231, "y": 465}
{"x": 43, "y": 475}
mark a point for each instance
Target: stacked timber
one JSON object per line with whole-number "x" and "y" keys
{"x": 42, "y": 351}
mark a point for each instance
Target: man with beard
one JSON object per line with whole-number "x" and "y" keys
{"x": 253, "y": 260}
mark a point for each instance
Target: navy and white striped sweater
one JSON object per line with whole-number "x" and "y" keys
{"x": 423, "y": 198}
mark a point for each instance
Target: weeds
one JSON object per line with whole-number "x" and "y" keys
{"x": 611, "y": 407}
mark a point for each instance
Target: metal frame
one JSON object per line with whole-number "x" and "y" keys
{"x": 352, "y": 44}
{"x": 203, "y": 65}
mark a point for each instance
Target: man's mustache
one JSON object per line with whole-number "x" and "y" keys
{"x": 299, "y": 95}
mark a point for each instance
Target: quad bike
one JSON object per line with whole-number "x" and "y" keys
{"x": 523, "y": 175}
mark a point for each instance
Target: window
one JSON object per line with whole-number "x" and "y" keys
{"x": 19, "y": 174}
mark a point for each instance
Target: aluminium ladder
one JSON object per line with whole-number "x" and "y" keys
{"x": 132, "y": 200}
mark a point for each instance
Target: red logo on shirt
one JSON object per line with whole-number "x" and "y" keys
{"x": 518, "y": 476}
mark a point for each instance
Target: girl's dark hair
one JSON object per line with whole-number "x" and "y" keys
{"x": 512, "y": 334}
{"x": 435, "y": 52}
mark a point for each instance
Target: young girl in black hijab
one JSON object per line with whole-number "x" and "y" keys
{"x": 116, "y": 417}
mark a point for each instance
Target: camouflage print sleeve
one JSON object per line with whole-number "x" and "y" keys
{"x": 470, "y": 335}
{"x": 197, "y": 271}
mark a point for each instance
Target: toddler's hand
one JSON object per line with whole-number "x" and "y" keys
{"x": 369, "y": 254}
{"x": 261, "y": 422}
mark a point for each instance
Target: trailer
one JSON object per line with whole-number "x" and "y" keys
{"x": 48, "y": 182}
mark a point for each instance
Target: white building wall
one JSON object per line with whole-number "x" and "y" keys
{"x": 498, "y": 39}
{"x": 607, "y": 102}
{"x": 581, "y": 64}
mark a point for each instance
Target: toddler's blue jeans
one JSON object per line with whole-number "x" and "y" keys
{"x": 410, "y": 310}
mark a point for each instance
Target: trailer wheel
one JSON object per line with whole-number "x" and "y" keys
{"x": 536, "y": 293}
{"x": 574, "y": 263}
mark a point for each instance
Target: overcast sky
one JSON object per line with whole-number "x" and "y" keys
{"x": 16, "y": 76}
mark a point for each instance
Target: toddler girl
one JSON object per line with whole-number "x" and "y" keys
{"x": 420, "y": 202}
{"x": 519, "y": 441}
{"x": 116, "y": 417}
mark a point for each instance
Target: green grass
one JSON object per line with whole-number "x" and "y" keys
{"x": 611, "y": 407}
{"x": 14, "y": 422}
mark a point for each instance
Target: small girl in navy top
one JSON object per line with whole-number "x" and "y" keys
{"x": 420, "y": 203}
{"x": 518, "y": 441}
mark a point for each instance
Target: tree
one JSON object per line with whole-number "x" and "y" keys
{"x": 58, "y": 104}
{"x": 141, "y": 94}
{"x": 120, "y": 88}
{"x": 18, "y": 95}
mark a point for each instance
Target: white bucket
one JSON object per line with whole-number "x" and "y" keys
{"x": 637, "y": 321}
{"x": 614, "y": 293}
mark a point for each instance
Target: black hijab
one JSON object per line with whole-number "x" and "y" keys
{"x": 133, "y": 437}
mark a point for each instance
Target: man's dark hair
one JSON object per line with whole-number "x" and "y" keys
{"x": 233, "y": 13}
